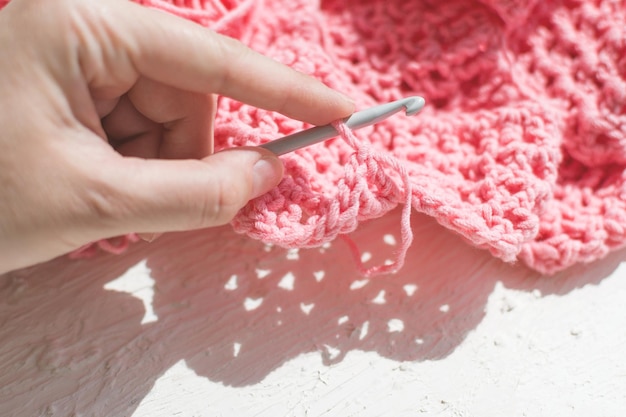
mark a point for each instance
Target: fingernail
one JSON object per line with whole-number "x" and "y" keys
{"x": 149, "y": 237}
{"x": 348, "y": 99}
{"x": 267, "y": 174}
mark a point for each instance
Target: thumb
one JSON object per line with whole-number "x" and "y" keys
{"x": 153, "y": 196}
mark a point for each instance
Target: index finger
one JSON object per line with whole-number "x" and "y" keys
{"x": 186, "y": 55}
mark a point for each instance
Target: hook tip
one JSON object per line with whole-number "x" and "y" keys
{"x": 413, "y": 105}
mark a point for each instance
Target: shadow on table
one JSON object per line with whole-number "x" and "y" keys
{"x": 235, "y": 310}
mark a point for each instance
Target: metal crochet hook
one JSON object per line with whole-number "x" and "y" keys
{"x": 360, "y": 119}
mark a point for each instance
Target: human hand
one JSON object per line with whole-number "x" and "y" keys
{"x": 106, "y": 121}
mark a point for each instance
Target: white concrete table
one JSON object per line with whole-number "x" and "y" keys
{"x": 211, "y": 323}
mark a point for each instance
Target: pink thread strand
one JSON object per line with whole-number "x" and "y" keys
{"x": 382, "y": 161}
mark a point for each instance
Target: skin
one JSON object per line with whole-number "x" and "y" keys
{"x": 106, "y": 124}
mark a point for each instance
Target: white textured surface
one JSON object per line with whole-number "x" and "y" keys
{"x": 213, "y": 324}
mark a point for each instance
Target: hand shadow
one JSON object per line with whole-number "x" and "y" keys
{"x": 235, "y": 310}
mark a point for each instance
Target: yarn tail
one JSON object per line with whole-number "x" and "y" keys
{"x": 406, "y": 233}
{"x": 116, "y": 246}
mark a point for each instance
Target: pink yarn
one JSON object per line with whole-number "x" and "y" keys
{"x": 115, "y": 246}
{"x": 367, "y": 168}
{"x": 521, "y": 148}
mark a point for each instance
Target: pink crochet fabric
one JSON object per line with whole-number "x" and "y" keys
{"x": 521, "y": 148}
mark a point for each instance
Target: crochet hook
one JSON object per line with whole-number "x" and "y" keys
{"x": 367, "y": 117}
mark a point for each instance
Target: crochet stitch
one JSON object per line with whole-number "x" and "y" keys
{"x": 521, "y": 148}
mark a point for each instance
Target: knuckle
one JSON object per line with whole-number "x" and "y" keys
{"x": 102, "y": 203}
